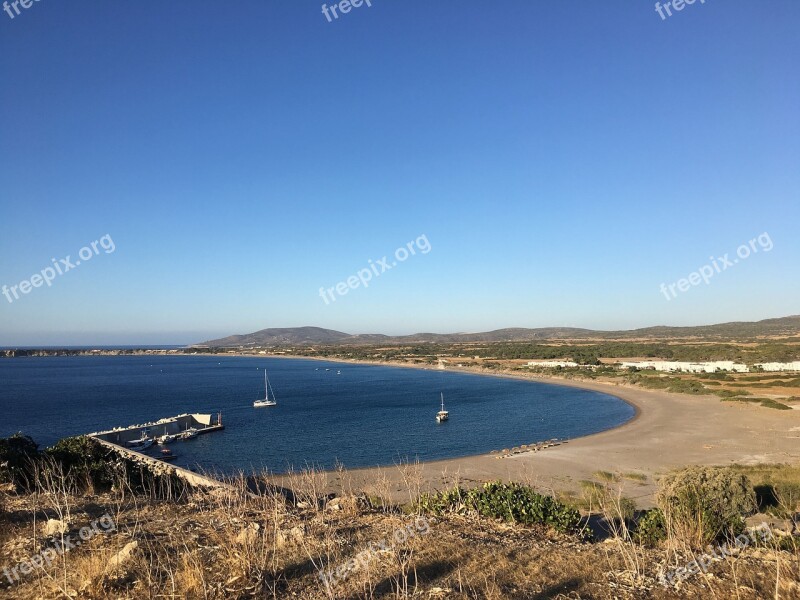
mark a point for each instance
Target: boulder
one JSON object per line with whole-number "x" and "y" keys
{"x": 55, "y": 527}
{"x": 122, "y": 558}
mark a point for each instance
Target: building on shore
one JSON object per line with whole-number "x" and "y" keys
{"x": 688, "y": 367}
{"x": 775, "y": 366}
{"x": 552, "y": 363}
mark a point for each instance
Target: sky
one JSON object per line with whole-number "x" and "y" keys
{"x": 557, "y": 161}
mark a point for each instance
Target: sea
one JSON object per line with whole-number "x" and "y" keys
{"x": 328, "y": 413}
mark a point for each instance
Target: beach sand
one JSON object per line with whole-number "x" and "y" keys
{"x": 669, "y": 431}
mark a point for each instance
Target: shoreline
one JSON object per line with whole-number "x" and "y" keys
{"x": 580, "y": 384}
{"x": 667, "y": 431}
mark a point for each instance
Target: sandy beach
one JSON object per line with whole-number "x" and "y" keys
{"x": 669, "y": 431}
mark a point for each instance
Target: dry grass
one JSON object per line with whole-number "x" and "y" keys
{"x": 257, "y": 540}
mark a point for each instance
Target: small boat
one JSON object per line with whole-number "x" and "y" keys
{"x": 189, "y": 434}
{"x": 442, "y": 415}
{"x": 141, "y": 444}
{"x": 338, "y": 372}
{"x": 166, "y": 439}
{"x": 166, "y": 454}
{"x": 266, "y": 401}
{"x": 141, "y": 441}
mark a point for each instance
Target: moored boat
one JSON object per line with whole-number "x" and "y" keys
{"x": 189, "y": 434}
{"x": 266, "y": 401}
{"x": 442, "y": 415}
{"x": 143, "y": 441}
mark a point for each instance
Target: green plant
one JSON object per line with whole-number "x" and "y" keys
{"x": 451, "y": 500}
{"x": 605, "y": 476}
{"x": 769, "y": 403}
{"x": 511, "y": 502}
{"x": 731, "y": 393}
{"x": 650, "y": 529}
{"x": 704, "y": 504}
{"x": 18, "y": 455}
{"x": 84, "y": 460}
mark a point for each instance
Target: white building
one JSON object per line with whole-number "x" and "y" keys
{"x": 551, "y": 363}
{"x": 688, "y": 367}
{"x": 790, "y": 366}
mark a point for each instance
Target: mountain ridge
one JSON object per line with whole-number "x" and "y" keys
{"x": 310, "y": 335}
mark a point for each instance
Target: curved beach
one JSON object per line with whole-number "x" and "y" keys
{"x": 668, "y": 431}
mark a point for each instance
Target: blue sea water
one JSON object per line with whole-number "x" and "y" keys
{"x": 365, "y": 416}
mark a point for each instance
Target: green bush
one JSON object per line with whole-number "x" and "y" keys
{"x": 770, "y": 403}
{"x": 451, "y": 500}
{"x": 83, "y": 460}
{"x": 704, "y": 504}
{"x": 18, "y": 455}
{"x": 511, "y": 502}
{"x": 731, "y": 393}
{"x": 650, "y": 529}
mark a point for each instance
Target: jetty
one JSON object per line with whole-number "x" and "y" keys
{"x": 202, "y": 423}
{"x": 116, "y": 441}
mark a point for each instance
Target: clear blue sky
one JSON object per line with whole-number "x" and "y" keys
{"x": 563, "y": 158}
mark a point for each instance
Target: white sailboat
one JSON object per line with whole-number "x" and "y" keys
{"x": 266, "y": 401}
{"x": 442, "y": 415}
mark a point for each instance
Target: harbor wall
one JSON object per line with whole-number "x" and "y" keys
{"x": 159, "y": 467}
{"x": 173, "y": 425}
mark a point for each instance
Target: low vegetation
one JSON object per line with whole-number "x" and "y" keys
{"x": 702, "y": 505}
{"x": 510, "y": 502}
{"x": 251, "y": 538}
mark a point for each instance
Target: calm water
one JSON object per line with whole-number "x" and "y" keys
{"x": 368, "y": 415}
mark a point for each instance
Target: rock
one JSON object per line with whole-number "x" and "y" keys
{"x": 437, "y": 591}
{"x": 122, "y": 558}
{"x": 55, "y": 527}
{"x": 295, "y": 534}
{"x": 759, "y": 522}
{"x": 249, "y": 534}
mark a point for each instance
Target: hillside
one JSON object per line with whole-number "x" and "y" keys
{"x": 297, "y": 336}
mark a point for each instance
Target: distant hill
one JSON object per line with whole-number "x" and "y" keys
{"x": 283, "y": 336}
{"x": 301, "y": 336}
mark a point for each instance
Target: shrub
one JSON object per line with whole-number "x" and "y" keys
{"x": 731, "y": 393}
{"x": 18, "y": 455}
{"x": 770, "y": 403}
{"x": 451, "y": 500}
{"x": 703, "y": 504}
{"x": 512, "y": 502}
{"x": 650, "y": 529}
{"x": 83, "y": 460}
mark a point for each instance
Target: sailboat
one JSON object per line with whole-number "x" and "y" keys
{"x": 266, "y": 401}
{"x": 442, "y": 415}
